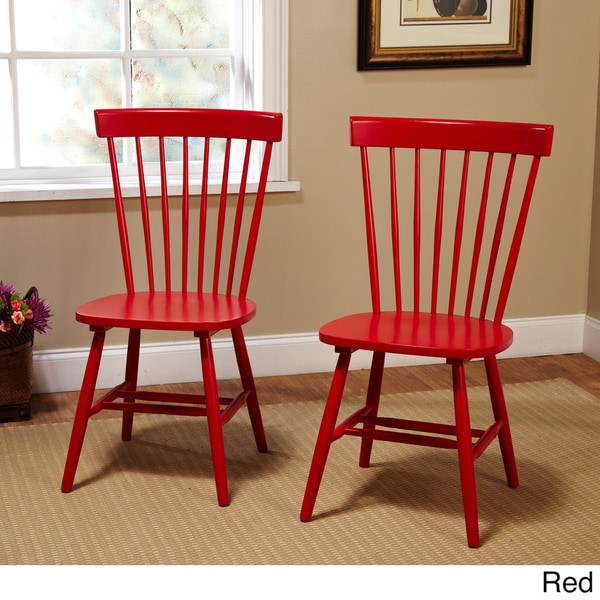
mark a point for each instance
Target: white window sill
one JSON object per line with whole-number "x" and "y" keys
{"x": 81, "y": 190}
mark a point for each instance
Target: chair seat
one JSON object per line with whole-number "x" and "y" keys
{"x": 174, "y": 311}
{"x": 422, "y": 334}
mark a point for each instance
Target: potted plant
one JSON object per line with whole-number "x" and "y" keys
{"x": 20, "y": 317}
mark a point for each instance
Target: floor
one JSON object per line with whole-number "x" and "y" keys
{"x": 578, "y": 368}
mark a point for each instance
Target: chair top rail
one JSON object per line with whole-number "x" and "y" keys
{"x": 484, "y": 136}
{"x": 189, "y": 122}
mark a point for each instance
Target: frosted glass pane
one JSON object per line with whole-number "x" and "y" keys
{"x": 185, "y": 83}
{"x": 60, "y": 130}
{"x": 68, "y": 24}
{"x": 196, "y": 146}
{"x": 182, "y": 82}
{"x": 6, "y": 128}
{"x": 174, "y": 150}
{"x": 182, "y": 24}
{"x": 4, "y": 30}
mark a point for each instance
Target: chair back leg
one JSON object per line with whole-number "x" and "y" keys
{"x": 131, "y": 377}
{"x": 247, "y": 379}
{"x": 373, "y": 396}
{"x": 501, "y": 415}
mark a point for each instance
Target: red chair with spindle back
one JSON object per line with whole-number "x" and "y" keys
{"x": 186, "y": 235}
{"x": 452, "y": 213}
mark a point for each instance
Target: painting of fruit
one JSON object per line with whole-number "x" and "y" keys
{"x": 446, "y": 8}
{"x": 407, "y": 34}
{"x": 460, "y": 8}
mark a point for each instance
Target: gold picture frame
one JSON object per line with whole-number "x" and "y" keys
{"x": 405, "y": 34}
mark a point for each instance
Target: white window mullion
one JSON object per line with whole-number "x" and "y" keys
{"x": 127, "y": 68}
{"x": 275, "y": 76}
{"x": 12, "y": 69}
{"x": 248, "y": 51}
{"x": 126, "y": 49}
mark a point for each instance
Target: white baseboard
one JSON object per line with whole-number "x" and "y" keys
{"x": 62, "y": 370}
{"x": 591, "y": 338}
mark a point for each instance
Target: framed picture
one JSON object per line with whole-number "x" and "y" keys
{"x": 404, "y": 34}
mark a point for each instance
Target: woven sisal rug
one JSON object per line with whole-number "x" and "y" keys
{"x": 152, "y": 500}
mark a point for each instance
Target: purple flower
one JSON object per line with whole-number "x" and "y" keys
{"x": 6, "y": 289}
{"x": 15, "y": 309}
{"x": 41, "y": 314}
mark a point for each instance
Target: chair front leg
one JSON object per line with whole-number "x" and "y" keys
{"x": 501, "y": 415}
{"x": 325, "y": 435}
{"x": 82, "y": 413}
{"x": 241, "y": 354}
{"x": 466, "y": 460}
{"x": 213, "y": 416}
{"x": 131, "y": 376}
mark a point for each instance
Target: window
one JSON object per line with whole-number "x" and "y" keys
{"x": 60, "y": 59}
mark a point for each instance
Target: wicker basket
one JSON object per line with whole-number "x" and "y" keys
{"x": 16, "y": 373}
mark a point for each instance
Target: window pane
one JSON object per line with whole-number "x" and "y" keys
{"x": 183, "y": 82}
{"x": 4, "y": 30}
{"x": 68, "y": 25}
{"x": 180, "y": 24}
{"x": 196, "y": 147}
{"x": 60, "y": 131}
{"x": 6, "y": 147}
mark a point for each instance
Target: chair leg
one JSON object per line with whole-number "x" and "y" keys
{"x": 501, "y": 414}
{"x": 466, "y": 459}
{"x": 213, "y": 416}
{"x": 131, "y": 375}
{"x": 325, "y": 435}
{"x": 82, "y": 413}
{"x": 241, "y": 353}
{"x": 373, "y": 397}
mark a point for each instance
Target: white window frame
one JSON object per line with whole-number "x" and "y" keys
{"x": 269, "y": 19}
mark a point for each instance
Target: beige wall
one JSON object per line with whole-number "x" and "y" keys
{"x": 593, "y": 309}
{"x": 310, "y": 263}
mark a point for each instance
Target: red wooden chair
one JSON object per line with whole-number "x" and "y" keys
{"x": 185, "y": 235}
{"x": 449, "y": 235}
